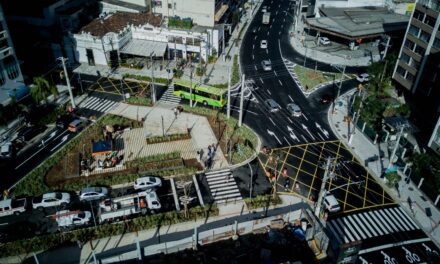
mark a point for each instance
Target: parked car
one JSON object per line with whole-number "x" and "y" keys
{"x": 325, "y": 99}
{"x": 331, "y": 204}
{"x": 93, "y": 193}
{"x": 7, "y": 150}
{"x": 12, "y": 206}
{"x": 149, "y": 182}
{"x": 29, "y": 132}
{"x": 66, "y": 218}
{"x": 51, "y": 199}
{"x": 294, "y": 109}
{"x": 264, "y": 9}
{"x": 267, "y": 65}
{"x": 324, "y": 41}
{"x": 363, "y": 77}
{"x": 263, "y": 44}
{"x": 76, "y": 125}
{"x": 272, "y": 105}
{"x": 63, "y": 121}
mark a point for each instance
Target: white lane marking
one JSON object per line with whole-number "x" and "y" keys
{"x": 253, "y": 57}
{"x": 255, "y": 37}
{"x": 305, "y": 117}
{"x": 279, "y": 33}
{"x": 267, "y": 51}
{"x": 253, "y": 46}
{"x": 270, "y": 26}
{"x": 258, "y": 28}
{"x": 238, "y": 110}
{"x": 280, "y": 82}
{"x": 290, "y": 98}
{"x": 407, "y": 242}
{"x": 290, "y": 120}
{"x": 288, "y": 143}
{"x": 305, "y": 139}
{"x": 255, "y": 66}
{"x": 21, "y": 164}
{"x": 267, "y": 33}
{"x": 66, "y": 137}
{"x": 275, "y": 73}
{"x": 261, "y": 80}
{"x": 272, "y": 121}
{"x": 276, "y": 13}
{"x": 268, "y": 91}
{"x": 273, "y": 20}
{"x": 284, "y": 20}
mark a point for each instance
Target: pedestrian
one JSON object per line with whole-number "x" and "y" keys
{"x": 175, "y": 112}
{"x": 214, "y": 149}
{"x": 209, "y": 151}
{"x": 209, "y": 163}
{"x": 201, "y": 154}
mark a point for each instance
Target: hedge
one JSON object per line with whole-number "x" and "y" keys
{"x": 137, "y": 100}
{"x": 180, "y": 23}
{"x": 147, "y": 78}
{"x": 262, "y": 201}
{"x": 235, "y": 71}
{"x": 168, "y": 138}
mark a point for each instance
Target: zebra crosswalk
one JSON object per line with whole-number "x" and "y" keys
{"x": 370, "y": 224}
{"x": 99, "y": 104}
{"x": 223, "y": 186}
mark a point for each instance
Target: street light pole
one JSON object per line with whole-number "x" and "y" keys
{"x": 228, "y": 112}
{"x": 153, "y": 88}
{"x": 240, "y": 117}
{"x": 321, "y": 192}
{"x": 63, "y": 61}
{"x": 252, "y": 181}
{"x": 396, "y": 146}
{"x": 191, "y": 87}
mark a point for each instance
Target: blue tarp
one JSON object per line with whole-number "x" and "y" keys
{"x": 102, "y": 147}
{"x": 19, "y": 92}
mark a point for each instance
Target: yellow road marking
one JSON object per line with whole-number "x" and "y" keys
{"x": 314, "y": 174}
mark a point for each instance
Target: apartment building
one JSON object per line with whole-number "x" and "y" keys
{"x": 417, "y": 70}
{"x": 11, "y": 78}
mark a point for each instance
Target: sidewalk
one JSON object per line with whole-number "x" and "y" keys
{"x": 363, "y": 149}
{"x": 333, "y": 54}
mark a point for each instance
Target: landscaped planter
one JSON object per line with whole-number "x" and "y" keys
{"x": 173, "y": 137}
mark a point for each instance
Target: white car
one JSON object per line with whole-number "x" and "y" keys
{"x": 51, "y": 199}
{"x": 267, "y": 65}
{"x": 93, "y": 193}
{"x": 294, "y": 109}
{"x": 145, "y": 183}
{"x": 272, "y": 106}
{"x": 263, "y": 44}
{"x": 264, "y": 9}
{"x": 324, "y": 41}
{"x": 67, "y": 218}
{"x": 331, "y": 204}
{"x": 363, "y": 77}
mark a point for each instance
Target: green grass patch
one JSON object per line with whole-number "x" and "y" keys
{"x": 235, "y": 78}
{"x": 147, "y": 78}
{"x": 45, "y": 242}
{"x": 138, "y": 100}
{"x": 310, "y": 78}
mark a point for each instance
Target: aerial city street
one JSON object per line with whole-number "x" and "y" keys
{"x": 214, "y": 131}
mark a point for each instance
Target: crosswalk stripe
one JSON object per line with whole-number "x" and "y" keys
{"x": 222, "y": 174}
{"x": 227, "y": 195}
{"x": 90, "y": 101}
{"x": 222, "y": 188}
{"x": 364, "y": 225}
{"x": 358, "y": 228}
{"x": 378, "y": 218}
{"x": 375, "y": 225}
{"x": 219, "y": 193}
{"x": 405, "y": 218}
{"x": 221, "y": 184}
{"x": 408, "y": 218}
{"x": 342, "y": 235}
{"x": 400, "y": 218}
{"x": 395, "y": 219}
{"x": 101, "y": 107}
{"x": 105, "y": 109}
{"x": 333, "y": 231}
{"x": 391, "y": 225}
{"x": 350, "y": 227}
{"x": 218, "y": 171}
{"x": 344, "y": 228}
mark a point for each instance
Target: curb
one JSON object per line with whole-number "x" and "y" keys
{"x": 254, "y": 155}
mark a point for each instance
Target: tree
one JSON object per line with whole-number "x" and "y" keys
{"x": 393, "y": 178}
{"x": 41, "y": 89}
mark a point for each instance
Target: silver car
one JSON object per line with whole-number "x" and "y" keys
{"x": 294, "y": 109}
{"x": 93, "y": 193}
{"x": 272, "y": 105}
{"x": 267, "y": 65}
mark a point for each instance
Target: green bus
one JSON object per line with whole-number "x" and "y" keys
{"x": 205, "y": 94}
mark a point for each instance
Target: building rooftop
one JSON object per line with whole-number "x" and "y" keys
{"x": 358, "y": 22}
{"x": 118, "y": 21}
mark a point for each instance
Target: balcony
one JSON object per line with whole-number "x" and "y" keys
{"x": 5, "y": 52}
{"x": 431, "y": 4}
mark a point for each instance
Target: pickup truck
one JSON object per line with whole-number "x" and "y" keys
{"x": 12, "y": 206}
{"x": 128, "y": 205}
{"x": 66, "y": 218}
{"x": 51, "y": 199}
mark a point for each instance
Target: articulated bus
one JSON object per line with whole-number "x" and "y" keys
{"x": 207, "y": 95}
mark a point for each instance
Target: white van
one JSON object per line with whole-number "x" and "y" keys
{"x": 11, "y": 206}
{"x": 331, "y": 204}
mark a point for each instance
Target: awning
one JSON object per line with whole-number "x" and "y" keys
{"x": 141, "y": 47}
{"x": 220, "y": 13}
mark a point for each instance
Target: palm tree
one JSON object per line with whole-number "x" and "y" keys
{"x": 41, "y": 89}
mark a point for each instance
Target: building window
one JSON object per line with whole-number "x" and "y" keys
{"x": 11, "y": 68}
{"x": 420, "y": 50}
{"x": 430, "y": 21}
{"x": 436, "y": 43}
{"x": 415, "y": 64}
{"x": 405, "y": 58}
{"x": 158, "y": 3}
{"x": 409, "y": 77}
{"x": 418, "y": 15}
{"x": 424, "y": 36}
{"x": 414, "y": 31}
{"x": 409, "y": 44}
{"x": 2, "y": 78}
{"x": 401, "y": 71}
{"x": 170, "y": 6}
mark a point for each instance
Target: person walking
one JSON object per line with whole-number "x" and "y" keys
{"x": 201, "y": 152}
{"x": 214, "y": 149}
{"x": 175, "y": 112}
{"x": 209, "y": 151}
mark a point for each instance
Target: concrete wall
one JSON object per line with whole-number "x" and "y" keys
{"x": 201, "y": 11}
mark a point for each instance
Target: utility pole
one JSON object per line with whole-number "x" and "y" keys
{"x": 383, "y": 72}
{"x": 122, "y": 88}
{"x": 240, "y": 117}
{"x": 396, "y": 146}
{"x": 228, "y": 112}
{"x": 322, "y": 190}
{"x": 223, "y": 43}
{"x": 252, "y": 181}
{"x": 63, "y": 61}
{"x": 340, "y": 82}
{"x": 386, "y": 47}
{"x": 355, "y": 120}
{"x": 153, "y": 89}
{"x": 191, "y": 87}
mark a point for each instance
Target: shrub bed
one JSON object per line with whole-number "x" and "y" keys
{"x": 147, "y": 78}
{"x": 173, "y": 137}
{"x": 262, "y": 201}
{"x": 235, "y": 78}
{"x": 137, "y": 100}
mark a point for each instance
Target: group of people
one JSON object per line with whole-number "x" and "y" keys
{"x": 209, "y": 161}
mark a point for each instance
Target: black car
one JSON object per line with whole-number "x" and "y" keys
{"x": 325, "y": 99}
{"x": 29, "y": 132}
{"x": 63, "y": 121}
